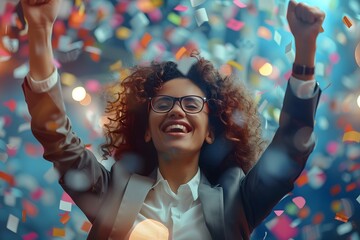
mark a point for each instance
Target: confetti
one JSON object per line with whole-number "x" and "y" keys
{"x": 174, "y": 18}
{"x": 65, "y": 206}
{"x": 235, "y": 25}
{"x": 195, "y": 3}
{"x": 239, "y": 4}
{"x": 278, "y": 212}
{"x": 86, "y": 226}
{"x": 277, "y": 38}
{"x": 347, "y": 21}
{"x": 235, "y": 65}
{"x": 58, "y": 232}
{"x": 12, "y": 223}
{"x": 299, "y": 202}
{"x": 65, "y": 218}
{"x": 201, "y": 16}
{"x": 351, "y": 136}
{"x": 180, "y": 53}
{"x": 180, "y": 8}
{"x": 144, "y": 42}
{"x": 344, "y": 228}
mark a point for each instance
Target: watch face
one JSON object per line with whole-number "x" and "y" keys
{"x": 357, "y": 54}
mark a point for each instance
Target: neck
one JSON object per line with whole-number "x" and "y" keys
{"x": 178, "y": 169}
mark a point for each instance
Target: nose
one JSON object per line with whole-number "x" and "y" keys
{"x": 177, "y": 111}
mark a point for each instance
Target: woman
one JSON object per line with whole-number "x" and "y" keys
{"x": 171, "y": 120}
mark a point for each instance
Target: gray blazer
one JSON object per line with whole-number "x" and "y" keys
{"x": 232, "y": 208}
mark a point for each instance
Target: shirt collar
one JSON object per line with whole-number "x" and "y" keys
{"x": 193, "y": 184}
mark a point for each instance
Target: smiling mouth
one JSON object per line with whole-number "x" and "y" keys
{"x": 176, "y": 128}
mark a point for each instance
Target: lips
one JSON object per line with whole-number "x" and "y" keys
{"x": 176, "y": 127}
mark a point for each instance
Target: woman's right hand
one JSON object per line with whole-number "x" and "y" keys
{"x": 40, "y": 13}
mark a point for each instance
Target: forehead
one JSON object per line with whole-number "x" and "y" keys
{"x": 179, "y": 87}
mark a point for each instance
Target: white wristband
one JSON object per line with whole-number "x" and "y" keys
{"x": 44, "y": 85}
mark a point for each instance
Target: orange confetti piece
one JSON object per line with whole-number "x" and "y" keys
{"x": 341, "y": 217}
{"x": 318, "y": 218}
{"x": 65, "y": 218}
{"x": 302, "y": 180}
{"x": 350, "y": 187}
{"x": 86, "y": 226}
{"x": 144, "y": 42}
{"x": 7, "y": 177}
{"x": 58, "y": 232}
{"x": 180, "y": 53}
{"x": 23, "y": 215}
{"x": 351, "y": 136}
{"x": 303, "y": 212}
{"x": 347, "y": 21}
{"x": 335, "y": 189}
{"x": 30, "y": 208}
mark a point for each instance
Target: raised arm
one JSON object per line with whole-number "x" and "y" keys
{"x": 81, "y": 175}
{"x": 40, "y": 16}
{"x": 276, "y": 171}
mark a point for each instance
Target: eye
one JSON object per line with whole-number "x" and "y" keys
{"x": 162, "y": 103}
{"x": 192, "y": 103}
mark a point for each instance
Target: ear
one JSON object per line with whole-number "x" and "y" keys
{"x": 147, "y": 136}
{"x": 210, "y": 137}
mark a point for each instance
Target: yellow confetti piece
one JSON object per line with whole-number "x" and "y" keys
{"x": 180, "y": 53}
{"x": 58, "y": 232}
{"x": 347, "y": 21}
{"x": 174, "y": 18}
{"x": 116, "y": 66}
{"x": 68, "y": 79}
{"x": 123, "y": 33}
{"x": 351, "y": 136}
{"x": 235, "y": 65}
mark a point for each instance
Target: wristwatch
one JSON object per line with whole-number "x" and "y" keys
{"x": 303, "y": 69}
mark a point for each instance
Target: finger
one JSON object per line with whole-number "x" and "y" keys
{"x": 291, "y": 8}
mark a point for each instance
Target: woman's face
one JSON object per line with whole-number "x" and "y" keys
{"x": 178, "y": 132}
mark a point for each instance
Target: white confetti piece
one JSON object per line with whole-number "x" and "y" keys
{"x": 320, "y": 69}
{"x": 277, "y": 38}
{"x": 23, "y": 127}
{"x": 358, "y": 199}
{"x": 201, "y": 16}
{"x": 195, "y": 3}
{"x": 139, "y": 21}
{"x": 12, "y": 223}
{"x": 65, "y": 206}
{"x": 9, "y": 199}
{"x": 21, "y": 71}
{"x": 51, "y": 175}
{"x": 344, "y": 228}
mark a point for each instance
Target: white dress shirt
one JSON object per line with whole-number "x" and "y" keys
{"x": 168, "y": 215}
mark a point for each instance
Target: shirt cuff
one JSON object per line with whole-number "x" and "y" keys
{"x": 44, "y": 85}
{"x": 303, "y": 89}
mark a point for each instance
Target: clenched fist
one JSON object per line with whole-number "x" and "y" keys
{"x": 40, "y": 13}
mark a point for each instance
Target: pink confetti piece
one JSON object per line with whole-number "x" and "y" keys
{"x": 239, "y": 4}
{"x": 37, "y": 194}
{"x": 30, "y": 236}
{"x": 180, "y": 8}
{"x": 299, "y": 202}
{"x": 66, "y": 198}
{"x": 11, "y": 105}
{"x": 278, "y": 212}
{"x": 235, "y": 25}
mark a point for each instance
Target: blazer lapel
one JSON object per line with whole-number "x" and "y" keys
{"x": 134, "y": 197}
{"x": 213, "y": 208}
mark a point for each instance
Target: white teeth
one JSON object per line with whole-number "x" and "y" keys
{"x": 176, "y": 126}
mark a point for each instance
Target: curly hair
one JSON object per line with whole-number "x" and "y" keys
{"x": 233, "y": 116}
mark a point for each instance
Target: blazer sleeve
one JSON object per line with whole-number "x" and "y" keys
{"x": 52, "y": 128}
{"x": 273, "y": 176}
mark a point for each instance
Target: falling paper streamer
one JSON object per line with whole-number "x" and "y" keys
{"x": 12, "y": 223}
{"x": 201, "y": 16}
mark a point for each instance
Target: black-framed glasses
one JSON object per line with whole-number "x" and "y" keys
{"x": 189, "y": 104}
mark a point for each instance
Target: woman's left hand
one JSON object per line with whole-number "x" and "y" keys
{"x": 305, "y": 22}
